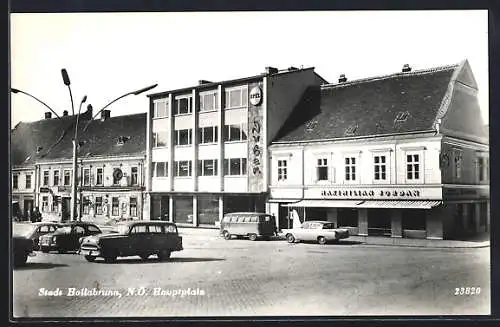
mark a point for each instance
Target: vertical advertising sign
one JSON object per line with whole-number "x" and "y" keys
{"x": 255, "y": 165}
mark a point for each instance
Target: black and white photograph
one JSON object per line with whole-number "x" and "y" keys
{"x": 249, "y": 164}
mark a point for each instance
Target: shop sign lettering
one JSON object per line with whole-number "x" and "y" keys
{"x": 256, "y": 149}
{"x": 371, "y": 193}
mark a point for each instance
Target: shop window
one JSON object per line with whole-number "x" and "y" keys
{"x": 236, "y": 97}
{"x": 413, "y": 219}
{"x": 207, "y": 134}
{"x": 46, "y": 178}
{"x": 183, "y": 137}
{"x": 160, "y": 169}
{"x": 413, "y": 166}
{"x": 55, "y": 203}
{"x": 208, "y": 209}
{"x": 322, "y": 169}
{"x": 45, "y": 204}
{"x": 347, "y": 217}
{"x": 55, "y": 178}
{"x": 235, "y": 132}
{"x": 350, "y": 168}
{"x": 86, "y": 176}
{"x": 209, "y": 101}
{"x": 15, "y": 181}
{"x": 160, "y": 108}
{"x": 28, "y": 181}
{"x": 160, "y": 139}
{"x": 282, "y": 170}
{"x": 183, "y": 105}
{"x": 182, "y": 168}
{"x": 183, "y": 209}
{"x": 207, "y": 167}
{"x": 86, "y": 205}
{"x": 99, "y": 179}
{"x": 115, "y": 209}
{"x": 98, "y": 205}
{"x": 67, "y": 177}
{"x": 134, "y": 180}
{"x": 235, "y": 167}
{"x": 379, "y": 168}
{"x": 133, "y": 207}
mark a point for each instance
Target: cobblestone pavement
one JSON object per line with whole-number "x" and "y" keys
{"x": 265, "y": 278}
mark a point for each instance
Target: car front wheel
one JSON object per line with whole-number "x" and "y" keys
{"x": 290, "y": 238}
{"x": 90, "y": 258}
{"x": 226, "y": 235}
{"x": 321, "y": 240}
{"x": 252, "y": 237}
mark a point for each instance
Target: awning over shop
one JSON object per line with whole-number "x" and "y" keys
{"x": 324, "y": 204}
{"x": 399, "y": 204}
{"x": 365, "y": 204}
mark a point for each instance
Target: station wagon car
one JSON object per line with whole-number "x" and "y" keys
{"x": 316, "y": 231}
{"x": 133, "y": 238}
{"x": 66, "y": 237}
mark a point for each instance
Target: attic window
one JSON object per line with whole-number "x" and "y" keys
{"x": 123, "y": 139}
{"x": 310, "y": 125}
{"x": 38, "y": 149}
{"x": 401, "y": 116}
{"x": 27, "y": 159}
{"x": 351, "y": 130}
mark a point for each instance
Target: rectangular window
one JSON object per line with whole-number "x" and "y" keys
{"x": 209, "y": 101}
{"x": 160, "y": 108}
{"x": 412, "y": 166}
{"x": 322, "y": 169}
{"x": 237, "y": 97}
{"x": 116, "y": 176}
{"x": 133, "y": 207}
{"x": 183, "y": 105}
{"x": 15, "y": 180}
{"x": 56, "y": 178}
{"x": 115, "y": 208}
{"x": 67, "y": 177}
{"x": 55, "y": 203}
{"x": 183, "y": 137}
{"x": 98, "y": 205}
{"x": 183, "y": 168}
{"x": 282, "y": 170}
{"x": 86, "y": 205}
{"x": 134, "y": 178}
{"x": 160, "y": 139}
{"x": 45, "y": 204}
{"x": 350, "y": 169}
{"x": 46, "y": 178}
{"x": 207, "y": 167}
{"x": 235, "y": 167}
{"x": 235, "y": 132}
{"x": 86, "y": 177}
{"x": 28, "y": 181}
{"x": 207, "y": 134}
{"x": 161, "y": 169}
{"x": 99, "y": 179}
{"x": 379, "y": 166}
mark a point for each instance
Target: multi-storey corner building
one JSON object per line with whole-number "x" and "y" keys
{"x": 110, "y": 170}
{"x": 207, "y": 145}
{"x": 403, "y": 155}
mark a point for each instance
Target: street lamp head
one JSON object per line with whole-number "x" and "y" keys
{"x": 144, "y": 89}
{"x": 84, "y": 99}
{"x": 13, "y": 90}
{"x": 65, "y": 77}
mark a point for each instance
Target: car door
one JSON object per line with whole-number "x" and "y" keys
{"x": 137, "y": 240}
{"x": 73, "y": 240}
{"x": 311, "y": 232}
{"x": 300, "y": 232}
{"x": 156, "y": 238}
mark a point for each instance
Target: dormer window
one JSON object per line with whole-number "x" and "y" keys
{"x": 351, "y": 130}
{"x": 38, "y": 149}
{"x": 401, "y": 116}
{"x": 123, "y": 139}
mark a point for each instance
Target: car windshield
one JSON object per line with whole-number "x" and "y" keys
{"x": 22, "y": 229}
{"x": 120, "y": 229}
{"x": 64, "y": 229}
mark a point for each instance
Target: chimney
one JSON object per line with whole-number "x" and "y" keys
{"x": 105, "y": 114}
{"x": 203, "y": 81}
{"x": 342, "y": 78}
{"x": 65, "y": 112}
{"x": 88, "y": 113}
{"x": 406, "y": 68}
{"x": 271, "y": 70}
{"x": 48, "y": 115}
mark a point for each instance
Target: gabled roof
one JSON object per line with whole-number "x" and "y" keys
{"x": 115, "y": 136}
{"x": 396, "y": 103}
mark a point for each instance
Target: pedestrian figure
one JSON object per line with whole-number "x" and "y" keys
{"x": 36, "y": 216}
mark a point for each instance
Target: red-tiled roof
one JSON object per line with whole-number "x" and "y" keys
{"x": 398, "y": 103}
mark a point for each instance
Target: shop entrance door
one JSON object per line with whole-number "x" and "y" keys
{"x": 65, "y": 209}
{"x": 28, "y": 209}
{"x": 379, "y": 222}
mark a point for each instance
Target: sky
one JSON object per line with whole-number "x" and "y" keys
{"x": 110, "y": 54}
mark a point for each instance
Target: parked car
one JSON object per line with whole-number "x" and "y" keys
{"x": 33, "y": 231}
{"x": 248, "y": 224}
{"x": 66, "y": 237}
{"x": 131, "y": 238}
{"x": 22, "y": 245}
{"x": 317, "y": 231}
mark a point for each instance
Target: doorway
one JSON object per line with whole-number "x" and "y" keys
{"x": 28, "y": 209}
{"x": 65, "y": 208}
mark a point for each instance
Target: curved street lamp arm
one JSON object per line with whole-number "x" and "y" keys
{"x": 71, "y": 97}
{"x": 34, "y": 97}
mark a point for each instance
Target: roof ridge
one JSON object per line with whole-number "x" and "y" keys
{"x": 388, "y": 76}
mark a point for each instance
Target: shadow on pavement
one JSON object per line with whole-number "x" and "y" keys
{"x": 39, "y": 265}
{"x": 152, "y": 259}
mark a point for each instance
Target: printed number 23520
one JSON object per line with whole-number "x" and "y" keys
{"x": 467, "y": 290}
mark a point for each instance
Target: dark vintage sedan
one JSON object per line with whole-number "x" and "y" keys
{"x": 22, "y": 245}
{"x": 67, "y": 237}
{"x": 133, "y": 238}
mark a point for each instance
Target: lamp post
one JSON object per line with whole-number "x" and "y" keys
{"x": 13, "y": 90}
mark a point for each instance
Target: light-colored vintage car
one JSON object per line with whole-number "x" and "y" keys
{"x": 316, "y": 231}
